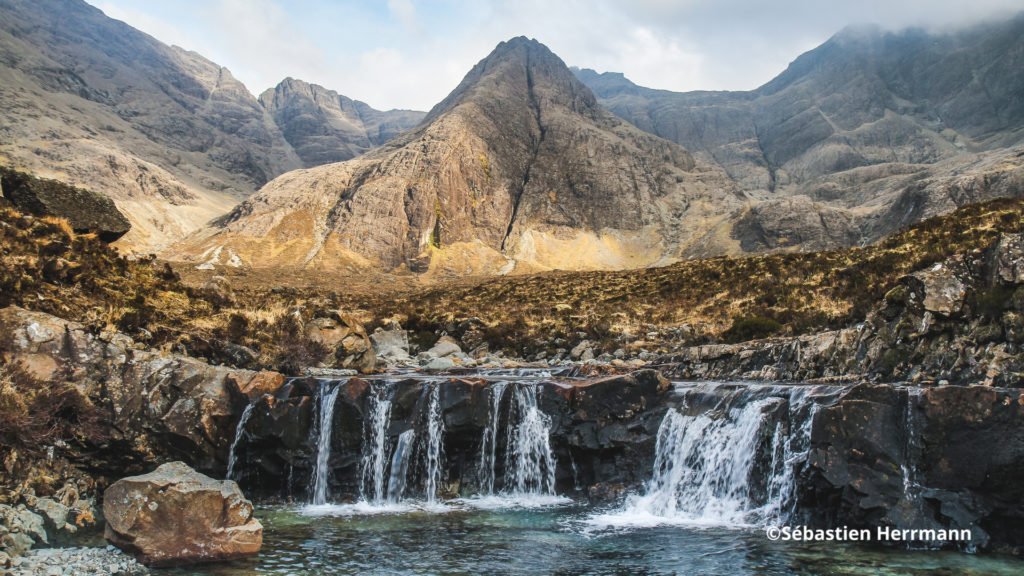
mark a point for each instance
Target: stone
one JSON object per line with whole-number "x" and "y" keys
{"x": 577, "y": 350}
{"x": 943, "y": 290}
{"x": 440, "y": 364}
{"x": 175, "y": 515}
{"x": 1009, "y": 259}
{"x": 85, "y": 210}
{"x": 253, "y": 385}
{"x": 445, "y": 346}
{"x": 219, "y": 291}
{"x": 392, "y": 346}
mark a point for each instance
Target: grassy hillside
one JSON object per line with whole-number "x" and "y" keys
{"x": 45, "y": 266}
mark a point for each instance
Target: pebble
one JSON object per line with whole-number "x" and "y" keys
{"x": 107, "y": 561}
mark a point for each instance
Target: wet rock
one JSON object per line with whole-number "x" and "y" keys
{"x": 440, "y": 364}
{"x": 87, "y": 211}
{"x": 175, "y": 515}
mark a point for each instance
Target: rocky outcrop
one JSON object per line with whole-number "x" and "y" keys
{"x": 602, "y": 431}
{"x": 345, "y": 339}
{"x": 519, "y": 167}
{"x": 174, "y": 516}
{"x": 932, "y": 458}
{"x": 324, "y": 126}
{"x": 959, "y": 321}
{"x": 155, "y": 405}
{"x": 86, "y": 211}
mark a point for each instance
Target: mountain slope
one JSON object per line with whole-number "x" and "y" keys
{"x": 324, "y": 126}
{"x": 171, "y": 137}
{"x": 857, "y": 122}
{"x": 518, "y": 167}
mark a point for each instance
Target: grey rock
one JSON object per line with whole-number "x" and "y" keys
{"x": 392, "y": 346}
{"x": 445, "y": 346}
{"x": 944, "y": 292}
{"x": 440, "y": 364}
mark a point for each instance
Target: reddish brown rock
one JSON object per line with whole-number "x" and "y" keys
{"x": 175, "y": 515}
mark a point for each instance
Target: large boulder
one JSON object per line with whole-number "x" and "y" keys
{"x": 86, "y": 210}
{"x": 175, "y": 515}
{"x": 942, "y": 290}
{"x": 392, "y": 345}
{"x": 345, "y": 335}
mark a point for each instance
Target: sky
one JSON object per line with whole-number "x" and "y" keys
{"x": 411, "y": 53}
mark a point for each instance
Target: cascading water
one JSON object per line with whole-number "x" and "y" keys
{"x": 327, "y": 393}
{"x": 730, "y": 464}
{"x": 530, "y": 464}
{"x": 239, "y": 433}
{"x": 375, "y": 445}
{"x": 400, "y": 465}
{"x": 435, "y": 431}
{"x": 489, "y": 440}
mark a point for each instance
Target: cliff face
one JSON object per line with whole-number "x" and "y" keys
{"x": 324, "y": 126}
{"x": 518, "y": 167}
{"x": 173, "y": 138}
{"x": 886, "y": 126}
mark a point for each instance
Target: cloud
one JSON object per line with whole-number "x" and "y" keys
{"x": 410, "y": 54}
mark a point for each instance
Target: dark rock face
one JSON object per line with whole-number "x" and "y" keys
{"x": 602, "y": 431}
{"x": 934, "y": 458}
{"x": 87, "y": 211}
{"x": 324, "y": 126}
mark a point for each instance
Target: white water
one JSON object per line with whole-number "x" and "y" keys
{"x": 489, "y": 440}
{"x": 704, "y": 465}
{"x": 435, "y": 432}
{"x": 530, "y": 464}
{"x": 375, "y": 445}
{"x": 239, "y": 433}
{"x": 323, "y": 451}
{"x": 400, "y": 466}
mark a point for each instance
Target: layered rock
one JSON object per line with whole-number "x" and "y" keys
{"x": 85, "y": 210}
{"x": 932, "y": 458}
{"x": 154, "y": 405}
{"x": 174, "y": 516}
{"x": 324, "y": 127}
{"x": 518, "y": 167}
{"x": 605, "y": 426}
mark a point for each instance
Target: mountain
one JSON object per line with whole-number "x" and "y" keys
{"x": 888, "y": 127}
{"x": 170, "y": 136}
{"x": 323, "y": 126}
{"x": 519, "y": 167}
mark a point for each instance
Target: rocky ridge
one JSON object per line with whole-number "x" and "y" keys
{"x": 869, "y": 132}
{"x": 518, "y": 168}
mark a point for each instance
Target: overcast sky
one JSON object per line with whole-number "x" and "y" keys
{"x": 411, "y": 53}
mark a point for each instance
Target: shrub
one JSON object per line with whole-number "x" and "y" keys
{"x": 751, "y": 328}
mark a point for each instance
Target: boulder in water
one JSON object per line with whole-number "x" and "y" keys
{"x": 175, "y": 515}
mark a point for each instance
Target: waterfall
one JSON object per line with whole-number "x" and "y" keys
{"x": 327, "y": 393}
{"x": 375, "y": 445}
{"x": 530, "y": 467}
{"x": 489, "y": 440}
{"x": 239, "y": 433}
{"x": 730, "y": 463}
{"x": 400, "y": 465}
{"x": 435, "y": 431}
